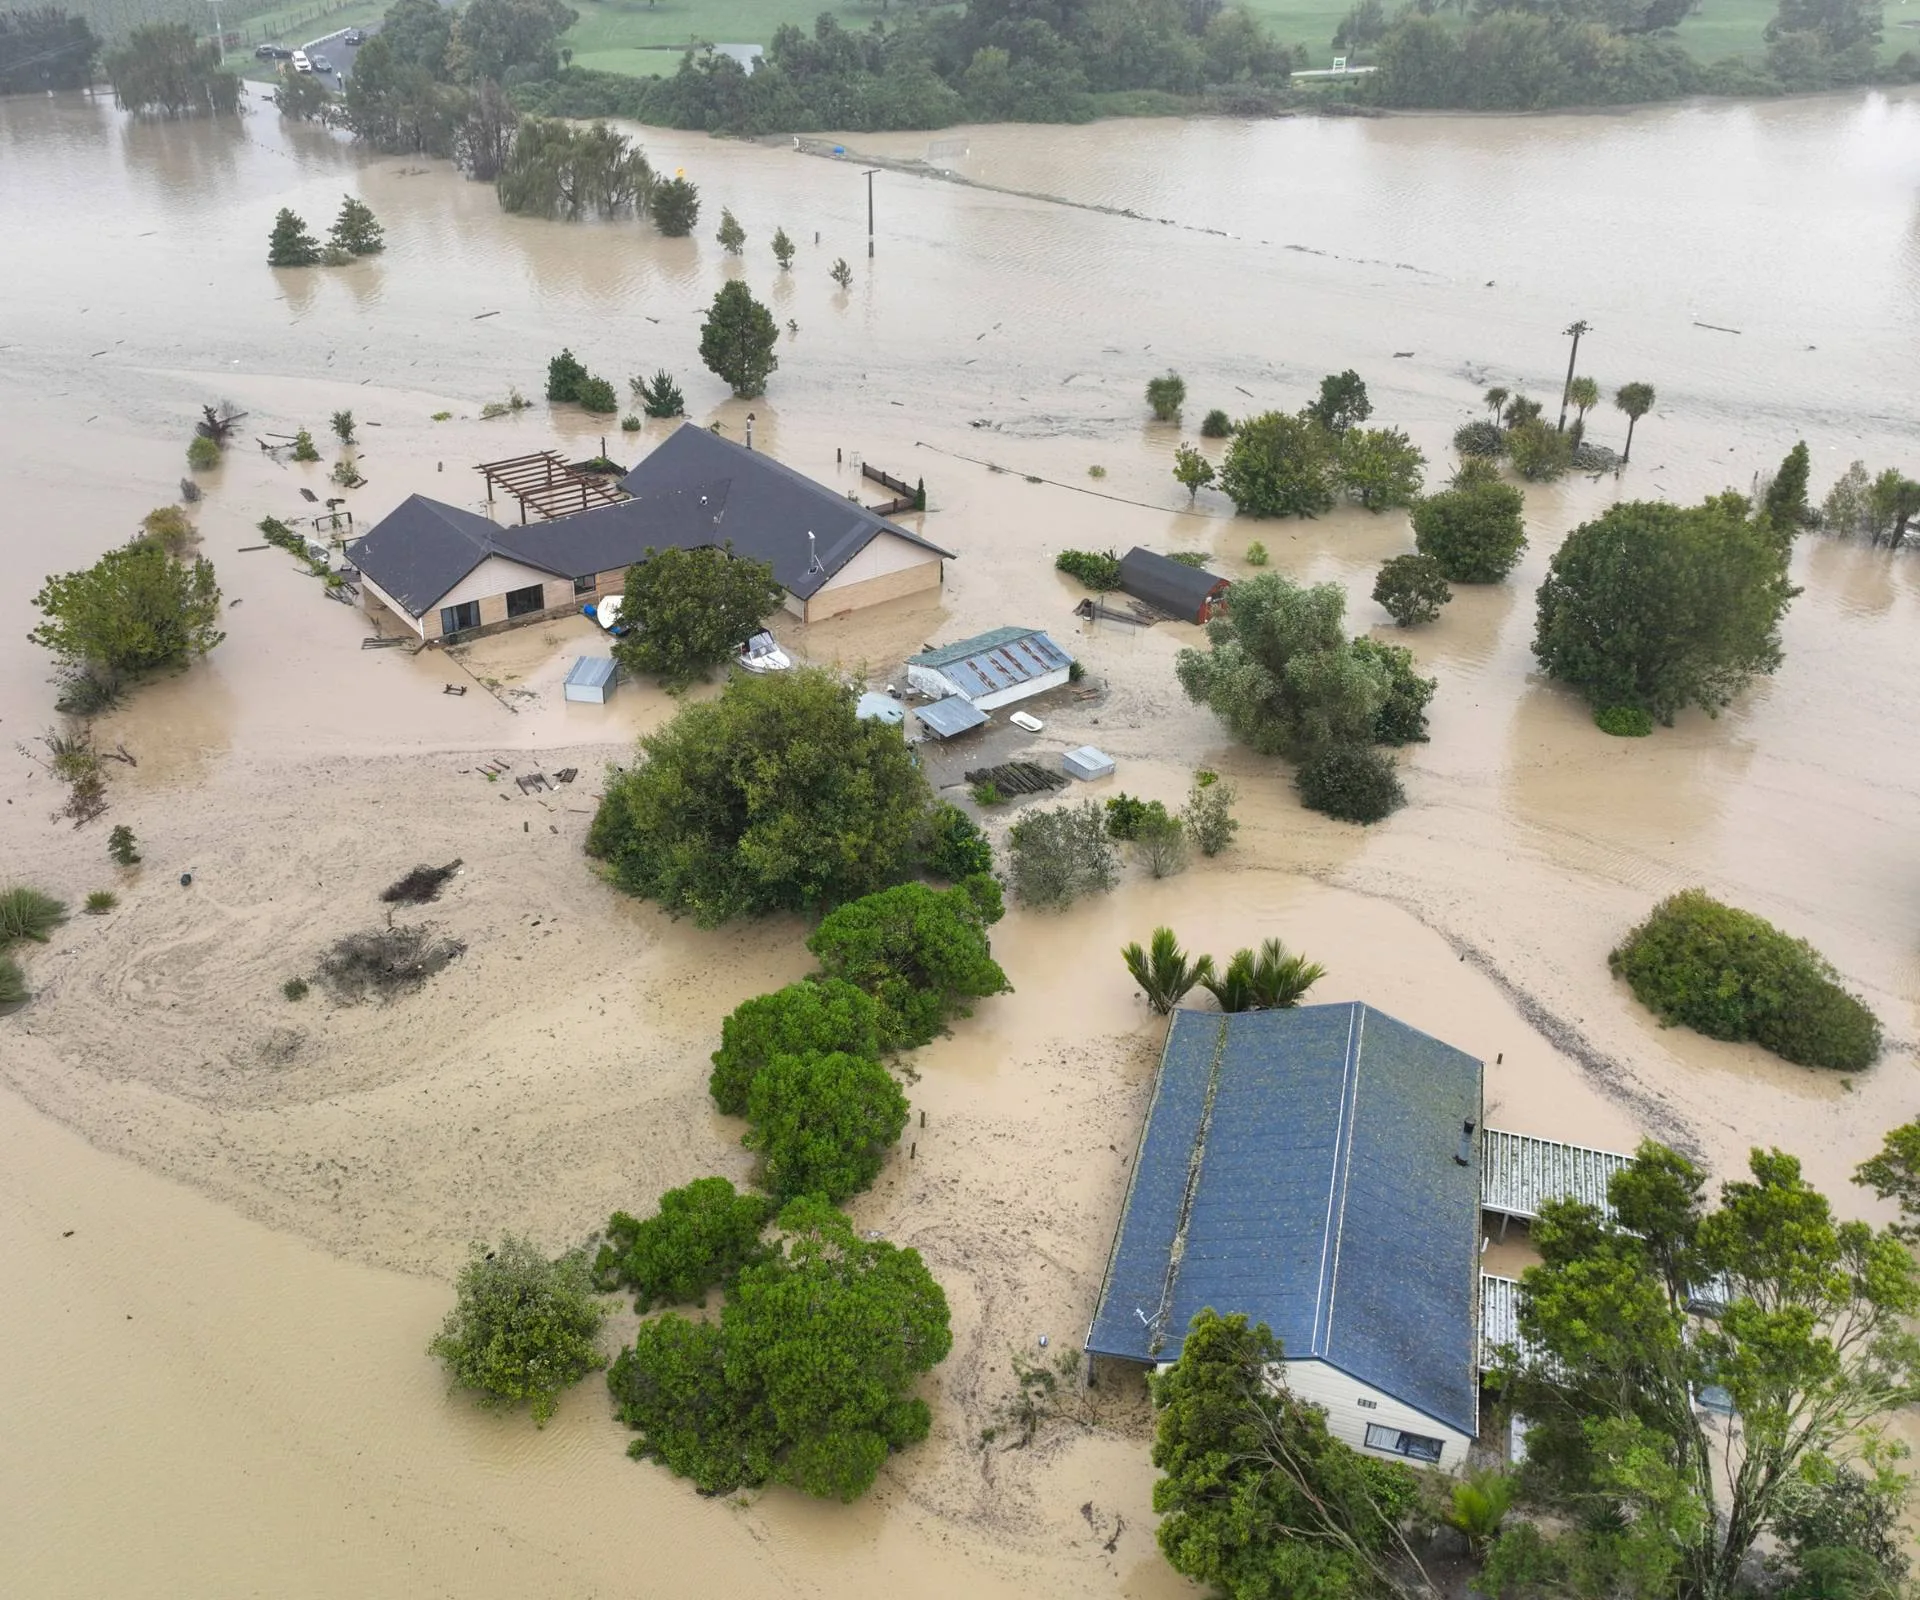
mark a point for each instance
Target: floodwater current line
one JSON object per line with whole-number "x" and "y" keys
{"x": 1077, "y": 488}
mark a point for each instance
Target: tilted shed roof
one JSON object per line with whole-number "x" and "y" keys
{"x": 945, "y": 718}
{"x": 1313, "y": 1169}
{"x": 990, "y": 662}
{"x": 1171, "y": 585}
{"x": 770, "y": 508}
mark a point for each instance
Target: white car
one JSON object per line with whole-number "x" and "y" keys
{"x": 762, "y": 654}
{"x": 300, "y": 62}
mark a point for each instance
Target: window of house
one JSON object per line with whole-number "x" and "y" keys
{"x": 458, "y": 619}
{"x": 587, "y": 584}
{"x": 524, "y": 602}
{"x": 1415, "y": 1446}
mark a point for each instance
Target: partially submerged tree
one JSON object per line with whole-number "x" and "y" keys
{"x": 1057, "y": 855}
{"x": 565, "y": 374}
{"x": 1810, "y": 1344}
{"x": 817, "y": 1016}
{"x": 1166, "y": 394}
{"x": 782, "y": 248}
{"x": 1272, "y": 980}
{"x": 1165, "y": 972}
{"x": 774, "y": 797}
{"x": 1379, "y": 467}
{"x": 700, "y": 1237}
{"x": 737, "y": 340}
{"x": 134, "y": 610}
{"x": 356, "y": 230}
{"x": 841, "y": 273}
{"x": 1473, "y": 530}
{"x": 675, "y": 207}
{"x": 1636, "y": 400}
{"x": 661, "y": 397}
{"x": 1193, "y": 471}
{"x": 290, "y": 245}
{"x": 732, "y": 237}
{"x": 522, "y": 1327}
{"x": 1342, "y": 402}
{"x": 1411, "y": 589}
{"x": 806, "y": 1378}
{"x": 1662, "y": 607}
{"x": 691, "y": 610}
{"x": 823, "y": 1124}
{"x": 1279, "y": 466}
{"x": 558, "y": 169}
{"x": 1208, "y": 815}
{"x": 1256, "y": 1497}
{"x": 166, "y": 67}
{"x": 922, "y": 953}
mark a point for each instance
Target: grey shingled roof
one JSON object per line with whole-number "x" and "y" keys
{"x": 990, "y": 662}
{"x": 769, "y": 509}
{"x": 619, "y": 535}
{"x": 1310, "y": 1168}
{"x": 1171, "y": 585}
{"x": 421, "y": 549}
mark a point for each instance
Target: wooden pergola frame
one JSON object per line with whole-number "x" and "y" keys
{"x": 546, "y": 484}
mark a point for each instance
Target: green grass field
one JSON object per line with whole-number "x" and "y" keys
{"x": 626, "y": 35}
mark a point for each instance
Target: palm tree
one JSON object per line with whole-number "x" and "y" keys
{"x": 1280, "y": 980}
{"x": 1585, "y": 395}
{"x": 1163, "y": 971}
{"x": 1494, "y": 399}
{"x": 1636, "y": 399}
{"x": 1479, "y": 1506}
{"x": 1235, "y": 989}
{"x": 1520, "y": 409}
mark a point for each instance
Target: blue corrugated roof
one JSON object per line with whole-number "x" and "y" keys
{"x": 990, "y": 662}
{"x": 1304, "y": 1167}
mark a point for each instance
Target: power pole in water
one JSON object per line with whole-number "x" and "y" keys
{"x": 869, "y": 175}
{"x": 219, "y": 33}
{"x": 1566, "y": 388}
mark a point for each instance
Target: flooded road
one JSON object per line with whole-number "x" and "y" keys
{"x": 314, "y": 1174}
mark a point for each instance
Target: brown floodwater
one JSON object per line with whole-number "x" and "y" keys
{"x": 275, "y": 1426}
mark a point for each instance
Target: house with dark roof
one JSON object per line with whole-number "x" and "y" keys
{"x": 1190, "y": 593}
{"x": 442, "y": 571}
{"x": 1317, "y": 1169}
{"x": 991, "y": 669}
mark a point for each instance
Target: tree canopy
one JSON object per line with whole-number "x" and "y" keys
{"x": 135, "y": 609}
{"x": 701, "y": 1236}
{"x": 1811, "y": 1347}
{"x": 1472, "y": 530}
{"x": 45, "y": 48}
{"x": 522, "y": 1327}
{"x": 737, "y": 340}
{"x": 823, "y": 1124}
{"x": 1279, "y": 466}
{"x": 922, "y": 953}
{"x": 1342, "y": 402}
{"x": 806, "y": 1378}
{"x": 813, "y": 1017}
{"x": 1662, "y": 607}
{"x": 774, "y": 797}
{"x": 1256, "y": 1497}
{"x": 498, "y": 40}
{"x": 557, "y": 169}
{"x": 1378, "y": 467}
{"x": 166, "y": 67}
{"x": 692, "y": 610}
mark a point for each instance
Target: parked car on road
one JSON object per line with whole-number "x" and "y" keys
{"x": 355, "y": 36}
{"x": 272, "y": 52}
{"x": 300, "y": 61}
{"x": 322, "y": 64}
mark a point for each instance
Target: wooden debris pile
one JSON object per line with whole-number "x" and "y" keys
{"x": 1019, "y": 777}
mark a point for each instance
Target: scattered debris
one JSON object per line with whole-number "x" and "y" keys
{"x": 385, "y": 962}
{"x": 566, "y": 775}
{"x": 376, "y": 642}
{"x": 453, "y": 688}
{"x": 1019, "y": 777}
{"x": 532, "y": 782}
{"x": 420, "y": 885}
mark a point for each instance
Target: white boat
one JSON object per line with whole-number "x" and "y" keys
{"x": 762, "y": 654}
{"x": 1022, "y": 719}
{"x": 606, "y": 612}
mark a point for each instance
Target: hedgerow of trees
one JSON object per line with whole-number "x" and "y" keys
{"x": 773, "y": 797}
{"x": 167, "y": 67}
{"x": 45, "y": 48}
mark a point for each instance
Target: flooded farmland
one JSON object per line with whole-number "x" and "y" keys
{"x": 229, "y": 1227}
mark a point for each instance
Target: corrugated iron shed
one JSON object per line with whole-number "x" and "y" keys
{"x": 1172, "y": 586}
{"x": 589, "y": 679}
{"x": 1317, "y": 1170}
{"x": 955, "y": 714}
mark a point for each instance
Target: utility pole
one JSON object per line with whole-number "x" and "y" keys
{"x": 1574, "y": 333}
{"x": 219, "y": 33}
{"x": 869, "y": 175}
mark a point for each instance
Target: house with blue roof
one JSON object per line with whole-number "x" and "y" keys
{"x": 1317, "y": 1169}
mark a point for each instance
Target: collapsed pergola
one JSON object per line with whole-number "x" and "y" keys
{"x": 544, "y": 483}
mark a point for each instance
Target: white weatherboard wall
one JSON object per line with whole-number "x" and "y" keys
{"x": 886, "y": 552}
{"x": 1341, "y": 1397}
{"x": 494, "y": 576}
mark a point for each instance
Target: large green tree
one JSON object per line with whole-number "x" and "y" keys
{"x": 823, "y": 1124}
{"x": 558, "y": 169}
{"x": 691, "y": 610}
{"x": 1379, "y": 467}
{"x": 1473, "y": 529}
{"x": 701, "y": 1236}
{"x": 1808, "y": 1340}
{"x": 774, "y": 797}
{"x": 1281, "y": 672}
{"x": 806, "y": 1379}
{"x": 812, "y": 1017}
{"x": 135, "y": 609}
{"x": 1342, "y": 402}
{"x": 522, "y": 1327}
{"x": 1256, "y": 1497}
{"x": 922, "y": 953}
{"x": 166, "y": 67}
{"x": 1279, "y": 466}
{"x": 45, "y": 48}
{"x": 1785, "y": 503}
{"x": 399, "y": 96}
{"x": 737, "y": 340}
{"x": 1661, "y": 607}
{"x": 494, "y": 38}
